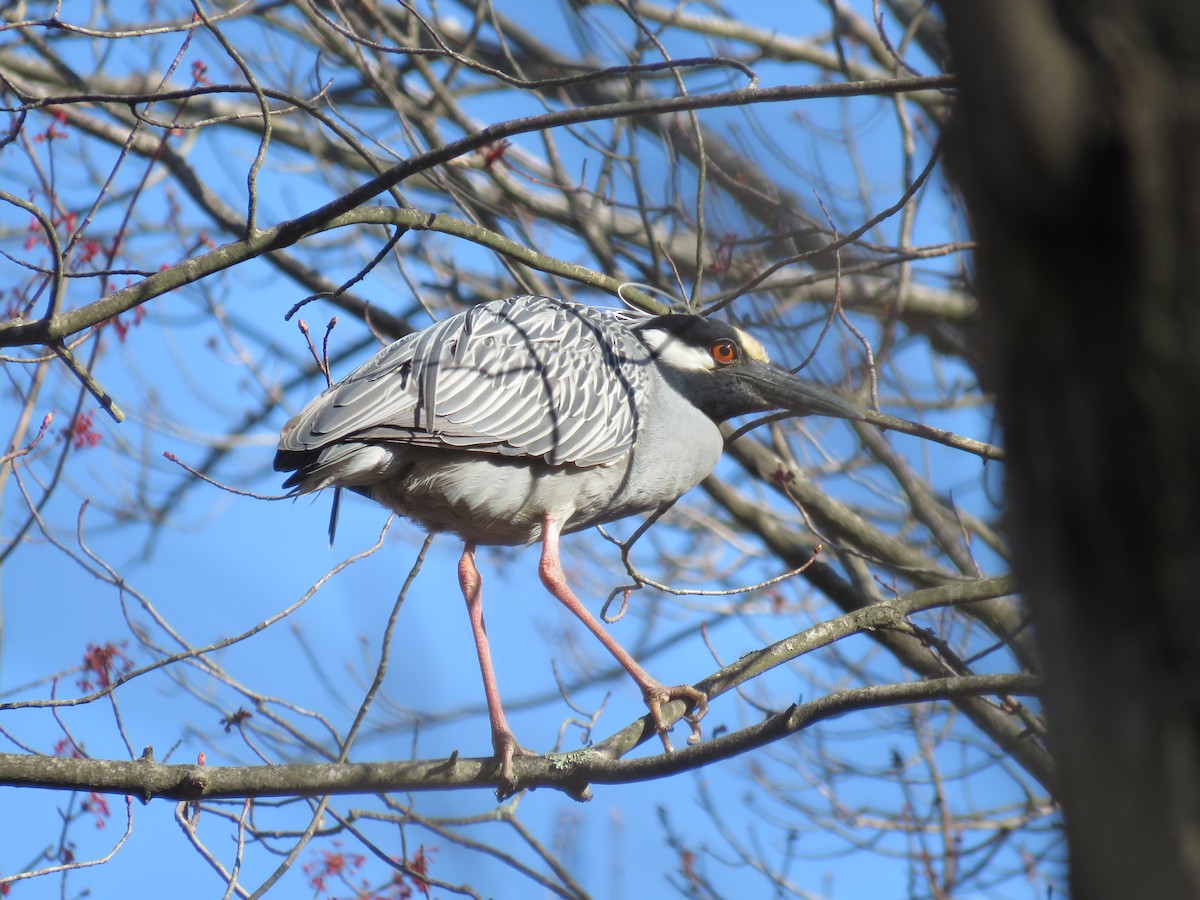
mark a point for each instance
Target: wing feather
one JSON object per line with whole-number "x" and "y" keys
{"x": 527, "y": 377}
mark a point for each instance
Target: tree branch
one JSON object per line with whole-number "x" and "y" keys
{"x": 571, "y": 772}
{"x": 285, "y": 234}
{"x": 568, "y": 771}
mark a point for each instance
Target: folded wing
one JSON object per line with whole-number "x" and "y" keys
{"x": 531, "y": 377}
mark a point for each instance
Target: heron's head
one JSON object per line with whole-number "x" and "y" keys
{"x": 725, "y": 372}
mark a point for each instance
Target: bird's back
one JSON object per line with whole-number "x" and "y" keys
{"x": 533, "y": 379}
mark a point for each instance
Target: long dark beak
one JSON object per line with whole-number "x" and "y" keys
{"x": 780, "y": 389}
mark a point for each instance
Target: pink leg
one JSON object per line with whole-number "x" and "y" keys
{"x": 654, "y": 691}
{"x": 503, "y": 742}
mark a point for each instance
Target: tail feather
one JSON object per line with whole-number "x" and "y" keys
{"x": 300, "y": 463}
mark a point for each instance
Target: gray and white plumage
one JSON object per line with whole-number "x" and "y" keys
{"x": 490, "y": 419}
{"x": 523, "y": 419}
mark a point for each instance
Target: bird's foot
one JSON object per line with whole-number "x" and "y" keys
{"x": 505, "y": 745}
{"x": 696, "y": 703}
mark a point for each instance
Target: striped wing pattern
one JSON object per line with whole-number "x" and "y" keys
{"x": 533, "y": 377}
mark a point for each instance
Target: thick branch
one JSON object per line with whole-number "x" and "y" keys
{"x": 572, "y": 772}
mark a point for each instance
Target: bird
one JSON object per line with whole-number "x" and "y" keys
{"x": 524, "y": 419}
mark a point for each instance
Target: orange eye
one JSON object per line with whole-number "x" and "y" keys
{"x": 724, "y": 351}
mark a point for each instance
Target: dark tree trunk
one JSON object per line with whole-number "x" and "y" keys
{"x": 1076, "y": 145}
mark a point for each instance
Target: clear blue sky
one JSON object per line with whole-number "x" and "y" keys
{"x": 225, "y": 563}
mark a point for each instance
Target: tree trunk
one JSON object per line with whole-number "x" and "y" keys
{"x": 1076, "y": 145}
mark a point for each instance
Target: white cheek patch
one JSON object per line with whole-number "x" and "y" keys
{"x": 752, "y": 348}
{"x": 678, "y": 355}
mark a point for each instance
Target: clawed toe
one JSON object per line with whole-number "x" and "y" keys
{"x": 506, "y": 748}
{"x": 697, "y": 708}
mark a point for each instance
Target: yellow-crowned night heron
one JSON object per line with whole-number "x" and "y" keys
{"x": 524, "y": 419}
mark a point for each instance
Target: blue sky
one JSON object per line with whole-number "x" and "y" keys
{"x": 225, "y": 563}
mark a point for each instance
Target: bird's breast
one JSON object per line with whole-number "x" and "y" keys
{"x": 676, "y": 448}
